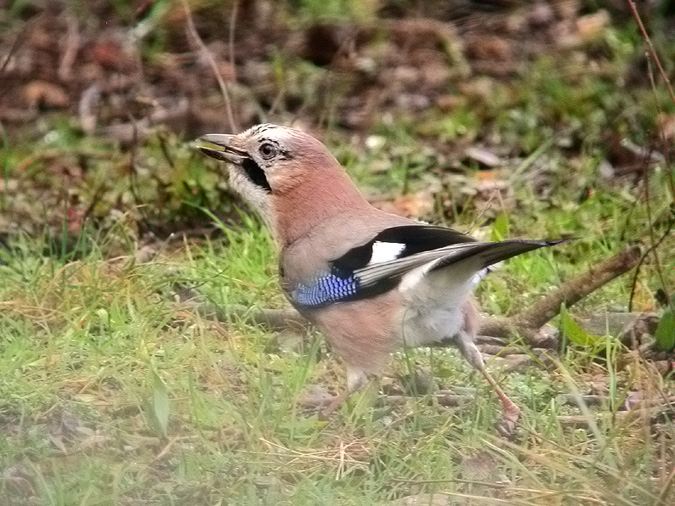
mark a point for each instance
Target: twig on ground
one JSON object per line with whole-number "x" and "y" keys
{"x": 626, "y": 417}
{"x": 577, "y": 288}
{"x": 530, "y": 323}
{"x": 274, "y": 319}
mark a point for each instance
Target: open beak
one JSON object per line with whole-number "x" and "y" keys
{"x": 221, "y": 147}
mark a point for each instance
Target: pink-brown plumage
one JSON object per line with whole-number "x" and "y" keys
{"x": 371, "y": 281}
{"x": 367, "y": 337}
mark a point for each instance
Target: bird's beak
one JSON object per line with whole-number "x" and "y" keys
{"x": 221, "y": 147}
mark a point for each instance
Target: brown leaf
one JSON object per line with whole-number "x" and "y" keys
{"x": 592, "y": 25}
{"x": 43, "y": 93}
{"x": 411, "y": 205}
{"x": 488, "y": 47}
{"x": 110, "y": 54}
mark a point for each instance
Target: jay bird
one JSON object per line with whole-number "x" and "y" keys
{"x": 371, "y": 281}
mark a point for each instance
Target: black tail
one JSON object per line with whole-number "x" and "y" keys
{"x": 492, "y": 252}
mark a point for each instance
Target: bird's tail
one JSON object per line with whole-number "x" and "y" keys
{"x": 488, "y": 253}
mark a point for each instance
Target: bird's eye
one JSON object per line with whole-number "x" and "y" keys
{"x": 268, "y": 151}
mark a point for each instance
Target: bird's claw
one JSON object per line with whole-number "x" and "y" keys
{"x": 509, "y": 421}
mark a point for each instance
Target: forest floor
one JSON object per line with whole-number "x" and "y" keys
{"x": 539, "y": 121}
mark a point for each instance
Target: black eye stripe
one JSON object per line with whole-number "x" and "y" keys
{"x": 256, "y": 175}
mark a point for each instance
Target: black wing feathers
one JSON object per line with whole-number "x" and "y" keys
{"x": 420, "y": 245}
{"x": 493, "y": 252}
{"x": 415, "y": 238}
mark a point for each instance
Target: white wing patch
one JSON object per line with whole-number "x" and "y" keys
{"x": 385, "y": 252}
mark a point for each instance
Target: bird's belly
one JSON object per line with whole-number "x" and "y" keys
{"x": 363, "y": 333}
{"x": 436, "y": 306}
{"x": 425, "y": 326}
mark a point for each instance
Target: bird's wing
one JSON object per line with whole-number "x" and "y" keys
{"x": 482, "y": 254}
{"x": 379, "y": 265}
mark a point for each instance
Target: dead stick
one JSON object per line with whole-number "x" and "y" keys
{"x": 274, "y": 319}
{"x": 650, "y": 47}
{"x": 577, "y": 288}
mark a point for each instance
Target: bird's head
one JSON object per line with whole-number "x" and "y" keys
{"x": 282, "y": 171}
{"x": 267, "y": 159}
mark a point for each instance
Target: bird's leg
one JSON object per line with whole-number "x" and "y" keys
{"x": 356, "y": 380}
{"x": 510, "y": 412}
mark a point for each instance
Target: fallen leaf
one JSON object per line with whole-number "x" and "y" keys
{"x": 591, "y": 25}
{"x": 483, "y": 156}
{"x": 43, "y": 93}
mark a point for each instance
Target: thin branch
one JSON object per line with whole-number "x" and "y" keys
{"x": 18, "y": 40}
{"x": 230, "y": 38}
{"x": 577, "y": 288}
{"x": 652, "y": 235}
{"x": 652, "y": 52}
{"x": 644, "y": 256}
{"x": 661, "y": 133}
{"x": 273, "y": 319}
{"x": 73, "y": 42}
{"x": 192, "y": 30}
{"x": 16, "y": 44}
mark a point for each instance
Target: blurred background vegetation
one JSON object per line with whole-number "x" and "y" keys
{"x": 98, "y": 98}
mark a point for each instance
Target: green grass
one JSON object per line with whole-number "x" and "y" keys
{"x": 113, "y": 393}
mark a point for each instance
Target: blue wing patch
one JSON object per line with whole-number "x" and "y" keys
{"x": 325, "y": 290}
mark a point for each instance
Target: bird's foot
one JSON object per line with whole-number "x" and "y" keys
{"x": 318, "y": 400}
{"x": 327, "y": 412}
{"x": 509, "y": 421}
